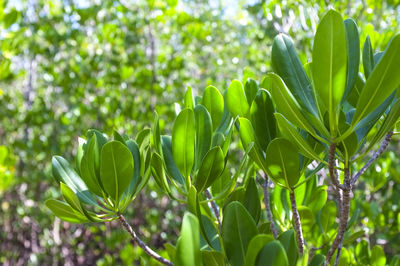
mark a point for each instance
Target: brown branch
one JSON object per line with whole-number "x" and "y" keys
{"x": 138, "y": 241}
{"x": 297, "y": 223}
{"x": 381, "y": 149}
{"x": 331, "y": 166}
{"x": 346, "y": 193}
{"x": 265, "y": 185}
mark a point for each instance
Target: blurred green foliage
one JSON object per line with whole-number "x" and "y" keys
{"x": 66, "y": 66}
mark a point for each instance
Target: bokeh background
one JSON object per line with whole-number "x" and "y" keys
{"x": 70, "y": 65}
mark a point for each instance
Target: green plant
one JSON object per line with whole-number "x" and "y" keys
{"x": 296, "y": 123}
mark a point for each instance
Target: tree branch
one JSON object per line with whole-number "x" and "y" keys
{"x": 331, "y": 166}
{"x": 381, "y": 149}
{"x": 265, "y": 185}
{"x": 297, "y": 223}
{"x": 136, "y": 239}
{"x": 337, "y": 243}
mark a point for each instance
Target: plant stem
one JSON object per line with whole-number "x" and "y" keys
{"x": 214, "y": 208}
{"x": 136, "y": 239}
{"x": 297, "y": 224}
{"x": 265, "y": 185}
{"x": 331, "y": 166}
{"x": 381, "y": 149}
{"x": 337, "y": 243}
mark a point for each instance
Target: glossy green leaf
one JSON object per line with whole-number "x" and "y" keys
{"x": 317, "y": 260}
{"x": 156, "y": 134}
{"x": 290, "y": 133}
{"x": 137, "y": 176}
{"x": 63, "y": 172}
{"x": 116, "y": 168}
{"x": 183, "y": 141}
{"x": 288, "y": 241}
{"x": 262, "y": 118}
{"x": 251, "y": 200}
{"x": 188, "y": 247}
{"x": 64, "y": 211}
{"x": 250, "y": 89}
{"x": 171, "y": 168}
{"x": 236, "y": 99}
{"x": 247, "y": 136}
{"x": 255, "y": 246}
{"x": 328, "y": 216}
{"x": 384, "y": 79}
{"x": 368, "y": 57}
{"x": 238, "y": 228}
{"x": 70, "y": 197}
{"x": 286, "y": 63}
{"x": 90, "y": 167}
{"x": 285, "y": 102}
{"x": 158, "y": 172}
{"x": 189, "y": 100}
{"x": 282, "y": 162}
{"x": 272, "y": 254}
{"x": 317, "y": 198}
{"x": 213, "y": 258}
{"x": 203, "y": 133}
{"x": 211, "y": 168}
{"x": 329, "y": 67}
{"x": 353, "y": 54}
{"x": 214, "y": 102}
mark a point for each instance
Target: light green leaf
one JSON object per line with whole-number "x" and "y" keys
{"x": 214, "y": 102}
{"x": 255, "y": 246}
{"x": 211, "y": 168}
{"x": 188, "y": 247}
{"x": 368, "y": 57}
{"x": 116, "y": 168}
{"x": 329, "y": 67}
{"x": 236, "y": 99}
{"x": 183, "y": 141}
{"x": 272, "y": 254}
{"x": 213, "y": 258}
{"x": 203, "y": 133}
{"x": 189, "y": 100}
{"x": 71, "y": 198}
{"x": 384, "y": 79}
{"x": 65, "y": 212}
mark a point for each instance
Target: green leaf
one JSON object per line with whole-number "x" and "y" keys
{"x": 272, "y": 254}
{"x": 250, "y": 89}
{"x": 238, "y": 228}
{"x": 90, "y": 167}
{"x": 211, "y": 168}
{"x": 213, "y": 258}
{"x": 288, "y": 241}
{"x": 116, "y": 168}
{"x": 255, "y": 246}
{"x": 317, "y": 199}
{"x": 287, "y": 65}
{"x": 171, "y": 168}
{"x": 353, "y": 54}
{"x": 183, "y": 141}
{"x": 353, "y": 237}
{"x": 156, "y": 134}
{"x": 247, "y": 136}
{"x": 188, "y": 247}
{"x": 378, "y": 257}
{"x": 262, "y": 118}
{"x": 317, "y": 260}
{"x": 286, "y": 104}
{"x": 158, "y": 172}
{"x": 236, "y": 99}
{"x": 71, "y": 198}
{"x": 282, "y": 162}
{"x": 384, "y": 79}
{"x": 214, "y": 102}
{"x": 368, "y": 57}
{"x": 327, "y": 216}
{"x": 252, "y": 200}
{"x": 189, "y": 100}
{"x": 64, "y": 211}
{"x": 329, "y": 64}
{"x": 63, "y": 172}
{"x": 137, "y": 176}
{"x": 203, "y": 133}
{"x": 290, "y": 133}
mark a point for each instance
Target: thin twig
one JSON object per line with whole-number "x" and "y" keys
{"x": 343, "y": 217}
{"x": 214, "y": 208}
{"x": 381, "y": 149}
{"x": 136, "y": 239}
{"x": 297, "y": 223}
{"x": 265, "y": 185}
